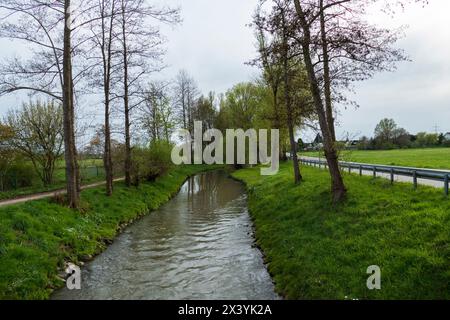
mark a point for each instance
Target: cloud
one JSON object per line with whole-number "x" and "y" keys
{"x": 214, "y": 42}
{"x": 417, "y": 95}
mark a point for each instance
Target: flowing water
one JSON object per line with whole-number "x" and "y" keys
{"x": 200, "y": 245}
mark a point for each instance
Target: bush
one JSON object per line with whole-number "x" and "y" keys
{"x": 19, "y": 175}
{"x": 150, "y": 163}
{"x": 118, "y": 158}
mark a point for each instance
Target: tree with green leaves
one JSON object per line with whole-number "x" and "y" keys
{"x": 36, "y": 131}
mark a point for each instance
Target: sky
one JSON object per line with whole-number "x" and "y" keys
{"x": 214, "y": 42}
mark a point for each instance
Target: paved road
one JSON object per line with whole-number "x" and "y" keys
{"x": 397, "y": 178}
{"x": 49, "y": 194}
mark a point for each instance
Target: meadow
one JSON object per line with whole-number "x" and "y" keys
{"x": 432, "y": 158}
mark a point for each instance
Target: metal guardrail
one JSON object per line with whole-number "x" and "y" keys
{"x": 414, "y": 173}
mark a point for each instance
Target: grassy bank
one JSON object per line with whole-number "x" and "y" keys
{"x": 433, "y": 158}
{"x": 37, "y": 238}
{"x": 317, "y": 251}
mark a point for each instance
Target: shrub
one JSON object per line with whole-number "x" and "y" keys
{"x": 19, "y": 175}
{"x": 152, "y": 162}
{"x": 118, "y": 158}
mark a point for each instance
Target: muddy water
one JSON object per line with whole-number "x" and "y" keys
{"x": 198, "y": 246}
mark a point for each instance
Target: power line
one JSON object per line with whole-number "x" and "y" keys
{"x": 437, "y": 129}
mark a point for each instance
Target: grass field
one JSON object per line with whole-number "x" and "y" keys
{"x": 36, "y": 238}
{"x": 438, "y": 158}
{"x": 316, "y": 250}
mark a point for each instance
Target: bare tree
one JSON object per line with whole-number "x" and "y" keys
{"x": 102, "y": 56}
{"x": 141, "y": 54}
{"x": 157, "y": 115}
{"x": 46, "y": 26}
{"x": 286, "y": 59}
{"x": 186, "y": 93}
{"x": 338, "y": 48}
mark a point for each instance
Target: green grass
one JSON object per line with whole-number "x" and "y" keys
{"x": 38, "y": 237}
{"x": 433, "y": 158}
{"x": 316, "y": 250}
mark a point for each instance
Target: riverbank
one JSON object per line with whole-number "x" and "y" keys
{"x": 37, "y": 238}
{"x": 315, "y": 250}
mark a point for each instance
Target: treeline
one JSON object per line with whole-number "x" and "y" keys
{"x": 310, "y": 53}
{"x": 76, "y": 48}
{"x": 388, "y": 135}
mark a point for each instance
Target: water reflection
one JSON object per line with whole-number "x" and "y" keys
{"x": 198, "y": 246}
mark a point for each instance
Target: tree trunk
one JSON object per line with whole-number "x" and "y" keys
{"x": 128, "y": 160}
{"x": 126, "y": 102}
{"x": 72, "y": 177}
{"x": 107, "y": 56}
{"x": 326, "y": 75}
{"x": 283, "y": 156}
{"x": 337, "y": 184}
{"x": 107, "y": 158}
{"x": 183, "y": 105}
{"x": 287, "y": 94}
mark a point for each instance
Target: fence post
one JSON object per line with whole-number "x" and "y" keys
{"x": 392, "y": 176}
{"x": 374, "y": 172}
{"x": 349, "y": 168}
{"x": 415, "y": 179}
{"x": 446, "y": 184}
{"x": 360, "y": 170}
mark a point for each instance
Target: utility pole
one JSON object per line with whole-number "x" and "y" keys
{"x": 436, "y": 129}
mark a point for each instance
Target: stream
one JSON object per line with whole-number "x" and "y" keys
{"x": 198, "y": 246}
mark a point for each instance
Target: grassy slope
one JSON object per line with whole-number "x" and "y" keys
{"x": 438, "y": 158}
{"x": 319, "y": 251}
{"x": 37, "y": 237}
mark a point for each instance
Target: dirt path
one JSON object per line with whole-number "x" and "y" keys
{"x": 44, "y": 195}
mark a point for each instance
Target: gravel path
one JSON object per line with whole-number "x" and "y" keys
{"x": 44, "y": 195}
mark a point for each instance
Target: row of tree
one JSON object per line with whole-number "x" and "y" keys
{"x": 388, "y": 135}
{"x": 106, "y": 47}
{"x": 310, "y": 53}
{"x": 33, "y": 133}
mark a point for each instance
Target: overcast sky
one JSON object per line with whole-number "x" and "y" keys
{"x": 214, "y": 42}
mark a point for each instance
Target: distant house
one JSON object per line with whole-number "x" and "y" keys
{"x": 447, "y": 136}
{"x": 352, "y": 144}
{"x": 318, "y": 139}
